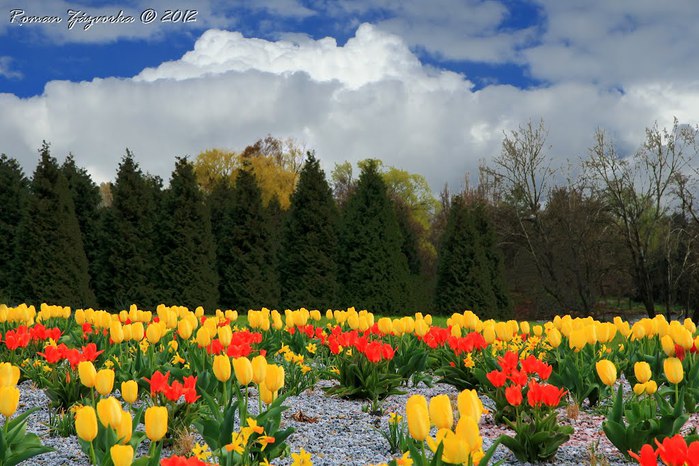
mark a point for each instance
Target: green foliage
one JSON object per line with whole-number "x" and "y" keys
{"x": 128, "y": 260}
{"x": 469, "y": 270}
{"x": 245, "y": 250}
{"x": 632, "y": 424}
{"x": 372, "y": 269}
{"x": 308, "y": 258}
{"x": 537, "y": 438}
{"x": 52, "y": 265}
{"x": 188, "y": 275}
{"x": 14, "y": 189}
{"x": 16, "y": 445}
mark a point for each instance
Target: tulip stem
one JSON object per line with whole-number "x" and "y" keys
{"x": 93, "y": 458}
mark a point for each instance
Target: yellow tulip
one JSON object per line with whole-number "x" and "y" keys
{"x": 116, "y": 332}
{"x": 651, "y": 387}
{"x": 554, "y": 338}
{"x": 418, "y": 417}
{"x": 184, "y": 329}
{"x": 577, "y": 339}
{"x": 259, "y": 369}
{"x": 525, "y": 327}
{"x": 137, "y": 331}
{"x": 222, "y": 367}
{"x": 203, "y": 337}
{"x": 86, "y": 423}
{"x": 266, "y": 395}
{"x": 455, "y": 450}
{"x": 125, "y": 428}
{"x": 385, "y": 325}
{"x": 673, "y": 370}
{"x": 489, "y": 334}
{"x": 129, "y": 391}
{"x": 274, "y": 378}
{"x": 225, "y": 335}
{"x": 87, "y": 373}
{"x": 639, "y": 388}
{"x": 606, "y": 370}
{"x": 9, "y": 374}
{"x": 109, "y": 412}
{"x": 642, "y": 371}
{"x": 122, "y": 455}
{"x": 156, "y": 422}
{"x": 470, "y": 404}
{"x": 104, "y": 381}
{"x": 243, "y": 370}
{"x": 154, "y": 333}
{"x": 441, "y": 412}
{"x": 9, "y": 399}
{"x": 668, "y": 345}
{"x": 421, "y": 328}
{"x": 467, "y": 430}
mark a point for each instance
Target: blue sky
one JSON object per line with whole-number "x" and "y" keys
{"x": 407, "y": 81}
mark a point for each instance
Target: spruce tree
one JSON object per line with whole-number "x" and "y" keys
{"x": 188, "y": 268}
{"x": 246, "y": 252}
{"x": 14, "y": 188}
{"x": 465, "y": 277}
{"x": 50, "y": 252}
{"x": 127, "y": 270}
{"x": 493, "y": 260}
{"x": 308, "y": 258}
{"x": 86, "y": 198}
{"x": 373, "y": 271}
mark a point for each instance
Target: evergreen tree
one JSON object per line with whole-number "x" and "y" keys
{"x": 188, "y": 268}
{"x": 493, "y": 260}
{"x": 246, "y": 252}
{"x": 86, "y": 198}
{"x": 50, "y": 252}
{"x": 467, "y": 276}
{"x": 14, "y": 188}
{"x": 128, "y": 260}
{"x": 308, "y": 258}
{"x": 373, "y": 271}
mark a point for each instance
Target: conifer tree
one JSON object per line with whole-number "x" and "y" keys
{"x": 308, "y": 258}
{"x": 493, "y": 260}
{"x": 372, "y": 269}
{"x": 188, "y": 268}
{"x": 86, "y": 198}
{"x": 247, "y": 260}
{"x": 127, "y": 270}
{"x": 50, "y": 252}
{"x": 14, "y": 188}
{"x": 468, "y": 276}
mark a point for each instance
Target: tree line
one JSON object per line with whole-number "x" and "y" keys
{"x": 266, "y": 227}
{"x": 223, "y": 235}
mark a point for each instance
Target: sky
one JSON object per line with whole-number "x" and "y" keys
{"x": 430, "y": 87}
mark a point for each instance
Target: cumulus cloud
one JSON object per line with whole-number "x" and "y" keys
{"x": 371, "y": 97}
{"x": 6, "y": 69}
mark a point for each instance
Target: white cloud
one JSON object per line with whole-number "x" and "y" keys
{"x": 369, "y": 98}
{"x": 6, "y": 70}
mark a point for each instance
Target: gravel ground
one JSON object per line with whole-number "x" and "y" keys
{"x": 340, "y": 432}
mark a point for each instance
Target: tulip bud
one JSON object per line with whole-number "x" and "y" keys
{"x": 489, "y": 334}
{"x": 606, "y": 372}
{"x": 470, "y": 404}
{"x": 156, "y": 422}
{"x": 554, "y": 338}
{"x": 668, "y": 345}
{"x": 86, "y": 423}
{"x": 154, "y": 333}
{"x": 225, "y": 335}
{"x": 385, "y": 325}
{"x": 243, "y": 370}
{"x": 109, "y": 412}
{"x": 266, "y": 395}
{"x": 259, "y": 369}
{"x": 87, "y": 373}
{"x": 125, "y": 428}
{"x": 137, "y": 331}
{"x": 651, "y": 387}
{"x": 639, "y": 388}
{"x": 421, "y": 328}
{"x": 9, "y": 399}
{"x": 203, "y": 337}
{"x": 222, "y": 367}
{"x": 116, "y": 332}
{"x": 184, "y": 329}
{"x": 441, "y": 412}
{"x": 274, "y": 378}
{"x": 129, "y": 391}
{"x": 418, "y": 417}
{"x": 467, "y": 430}
{"x": 9, "y": 374}
{"x": 104, "y": 381}
{"x": 642, "y": 371}
{"x": 674, "y": 372}
{"x": 122, "y": 455}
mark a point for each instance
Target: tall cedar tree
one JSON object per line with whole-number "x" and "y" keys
{"x": 247, "y": 259}
{"x": 188, "y": 269}
{"x": 494, "y": 260}
{"x": 308, "y": 258}
{"x": 372, "y": 269}
{"x": 466, "y": 278}
{"x": 14, "y": 188}
{"x": 86, "y": 198}
{"x": 50, "y": 252}
{"x": 127, "y": 270}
